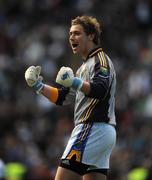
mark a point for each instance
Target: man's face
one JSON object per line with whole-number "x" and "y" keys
{"x": 79, "y": 40}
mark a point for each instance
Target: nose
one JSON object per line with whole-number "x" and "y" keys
{"x": 71, "y": 37}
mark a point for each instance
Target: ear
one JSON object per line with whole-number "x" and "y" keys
{"x": 91, "y": 37}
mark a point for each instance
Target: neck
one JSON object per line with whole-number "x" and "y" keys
{"x": 89, "y": 49}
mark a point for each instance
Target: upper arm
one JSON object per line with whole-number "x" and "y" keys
{"x": 99, "y": 83}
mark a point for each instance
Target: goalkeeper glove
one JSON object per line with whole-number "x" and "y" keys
{"x": 66, "y": 78}
{"x": 33, "y": 78}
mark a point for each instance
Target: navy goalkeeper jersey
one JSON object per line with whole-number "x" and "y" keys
{"x": 99, "y": 105}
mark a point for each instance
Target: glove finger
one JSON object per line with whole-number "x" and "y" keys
{"x": 58, "y": 78}
{"x": 40, "y": 78}
{"x": 38, "y": 70}
{"x": 31, "y": 68}
{"x": 62, "y": 68}
{"x": 29, "y": 72}
{"x": 70, "y": 71}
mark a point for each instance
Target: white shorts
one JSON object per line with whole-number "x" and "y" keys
{"x": 91, "y": 144}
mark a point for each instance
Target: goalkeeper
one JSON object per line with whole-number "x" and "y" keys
{"x": 88, "y": 151}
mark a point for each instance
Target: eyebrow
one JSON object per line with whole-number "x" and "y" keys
{"x": 75, "y": 31}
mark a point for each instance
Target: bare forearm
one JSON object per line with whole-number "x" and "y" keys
{"x": 85, "y": 88}
{"x": 51, "y": 93}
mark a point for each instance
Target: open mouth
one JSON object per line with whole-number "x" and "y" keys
{"x": 74, "y": 45}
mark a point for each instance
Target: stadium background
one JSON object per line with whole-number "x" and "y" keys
{"x": 33, "y": 132}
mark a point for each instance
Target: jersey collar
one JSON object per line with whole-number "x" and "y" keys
{"x": 93, "y": 52}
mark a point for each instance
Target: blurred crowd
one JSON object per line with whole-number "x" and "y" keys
{"x": 33, "y": 131}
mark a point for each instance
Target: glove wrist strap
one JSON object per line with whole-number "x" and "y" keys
{"x": 77, "y": 83}
{"x": 38, "y": 86}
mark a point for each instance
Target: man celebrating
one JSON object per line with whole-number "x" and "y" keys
{"x": 90, "y": 145}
